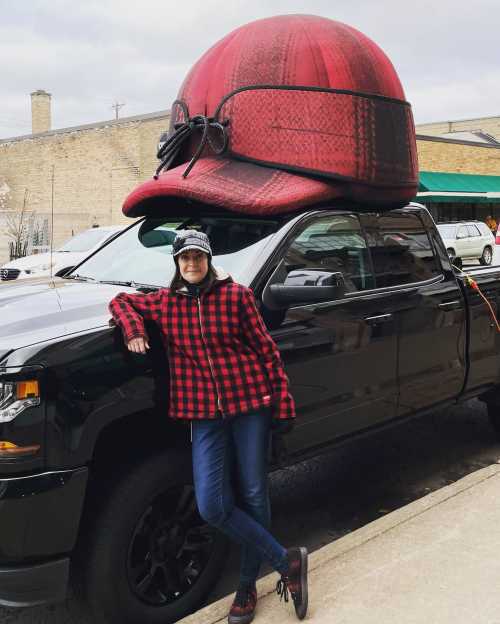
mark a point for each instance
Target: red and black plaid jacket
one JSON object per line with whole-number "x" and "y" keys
{"x": 222, "y": 358}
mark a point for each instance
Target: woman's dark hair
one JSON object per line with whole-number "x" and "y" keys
{"x": 177, "y": 281}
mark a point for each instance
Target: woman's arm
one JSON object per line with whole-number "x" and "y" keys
{"x": 259, "y": 339}
{"x": 130, "y": 312}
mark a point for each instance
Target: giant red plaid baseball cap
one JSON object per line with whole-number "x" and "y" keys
{"x": 283, "y": 113}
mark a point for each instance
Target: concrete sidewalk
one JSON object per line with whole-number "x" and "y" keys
{"x": 435, "y": 561}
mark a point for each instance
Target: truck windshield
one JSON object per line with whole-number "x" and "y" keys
{"x": 142, "y": 254}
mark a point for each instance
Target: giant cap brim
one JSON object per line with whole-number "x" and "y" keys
{"x": 252, "y": 189}
{"x": 233, "y": 185}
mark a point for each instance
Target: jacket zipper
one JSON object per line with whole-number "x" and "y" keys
{"x": 209, "y": 359}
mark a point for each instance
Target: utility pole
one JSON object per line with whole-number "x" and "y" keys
{"x": 52, "y": 217}
{"x": 117, "y": 106}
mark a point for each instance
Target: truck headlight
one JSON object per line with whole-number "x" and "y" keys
{"x": 16, "y": 396}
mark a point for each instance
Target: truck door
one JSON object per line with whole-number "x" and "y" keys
{"x": 340, "y": 355}
{"x": 428, "y": 312}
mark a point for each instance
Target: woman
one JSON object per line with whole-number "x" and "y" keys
{"x": 227, "y": 378}
{"x": 492, "y": 224}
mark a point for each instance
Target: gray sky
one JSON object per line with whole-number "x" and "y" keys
{"x": 92, "y": 53}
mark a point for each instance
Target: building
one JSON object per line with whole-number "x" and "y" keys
{"x": 485, "y": 128}
{"x": 459, "y": 178}
{"x": 80, "y": 175}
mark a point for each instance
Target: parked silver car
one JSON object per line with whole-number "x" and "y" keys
{"x": 468, "y": 240}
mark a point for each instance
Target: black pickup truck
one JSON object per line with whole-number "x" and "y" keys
{"x": 374, "y": 326}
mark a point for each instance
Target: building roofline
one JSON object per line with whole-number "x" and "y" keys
{"x": 91, "y": 126}
{"x": 446, "y": 121}
{"x": 436, "y": 139}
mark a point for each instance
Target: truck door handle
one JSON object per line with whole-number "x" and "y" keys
{"x": 450, "y": 305}
{"x": 381, "y": 318}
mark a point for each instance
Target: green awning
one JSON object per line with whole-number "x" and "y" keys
{"x": 439, "y": 187}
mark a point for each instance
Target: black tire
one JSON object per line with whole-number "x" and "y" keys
{"x": 487, "y": 257}
{"x": 150, "y": 557}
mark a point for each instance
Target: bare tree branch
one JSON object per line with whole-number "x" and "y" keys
{"x": 16, "y": 222}
{"x": 17, "y": 227}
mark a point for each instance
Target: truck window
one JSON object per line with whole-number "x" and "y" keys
{"x": 400, "y": 248}
{"x": 333, "y": 243}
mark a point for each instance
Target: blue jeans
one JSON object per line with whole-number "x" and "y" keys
{"x": 242, "y": 512}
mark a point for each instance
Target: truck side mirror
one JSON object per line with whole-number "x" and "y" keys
{"x": 305, "y": 286}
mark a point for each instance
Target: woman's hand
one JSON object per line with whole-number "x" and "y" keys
{"x": 138, "y": 345}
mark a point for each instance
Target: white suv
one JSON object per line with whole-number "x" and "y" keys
{"x": 468, "y": 240}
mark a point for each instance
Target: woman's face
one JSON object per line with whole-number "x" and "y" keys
{"x": 193, "y": 265}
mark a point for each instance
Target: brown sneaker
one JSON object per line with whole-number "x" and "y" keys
{"x": 243, "y": 608}
{"x": 295, "y": 581}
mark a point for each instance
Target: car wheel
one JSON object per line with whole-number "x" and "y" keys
{"x": 487, "y": 256}
{"x": 151, "y": 557}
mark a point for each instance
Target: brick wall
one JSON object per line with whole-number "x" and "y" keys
{"x": 87, "y": 171}
{"x": 452, "y": 157}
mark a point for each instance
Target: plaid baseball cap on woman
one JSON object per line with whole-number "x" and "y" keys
{"x": 191, "y": 239}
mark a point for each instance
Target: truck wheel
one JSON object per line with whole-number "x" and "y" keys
{"x": 487, "y": 256}
{"x": 151, "y": 557}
